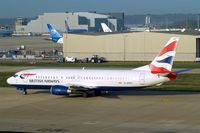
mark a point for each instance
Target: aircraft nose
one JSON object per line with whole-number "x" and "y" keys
{"x": 9, "y": 80}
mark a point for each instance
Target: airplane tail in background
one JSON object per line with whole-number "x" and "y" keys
{"x": 164, "y": 61}
{"x": 105, "y": 28}
{"x": 54, "y": 35}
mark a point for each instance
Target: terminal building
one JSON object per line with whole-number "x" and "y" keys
{"x": 133, "y": 46}
{"x": 89, "y": 21}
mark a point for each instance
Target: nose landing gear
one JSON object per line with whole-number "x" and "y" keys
{"x": 24, "y": 92}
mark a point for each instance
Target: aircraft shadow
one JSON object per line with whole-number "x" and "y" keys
{"x": 135, "y": 92}
{"x": 13, "y": 132}
{"x": 41, "y": 91}
{"x": 149, "y": 92}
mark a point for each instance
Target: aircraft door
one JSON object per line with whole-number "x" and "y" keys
{"x": 77, "y": 78}
{"x": 16, "y": 80}
{"x": 142, "y": 78}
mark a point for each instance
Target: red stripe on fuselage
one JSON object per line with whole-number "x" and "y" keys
{"x": 28, "y": 74}
{"x": 170, "y": 47}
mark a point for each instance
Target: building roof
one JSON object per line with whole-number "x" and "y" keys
{"x": 190, "y": 32}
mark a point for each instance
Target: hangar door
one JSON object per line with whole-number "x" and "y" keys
{"x": 198, "y": 48}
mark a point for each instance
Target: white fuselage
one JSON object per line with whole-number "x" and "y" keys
{"x": 86, "y": 78}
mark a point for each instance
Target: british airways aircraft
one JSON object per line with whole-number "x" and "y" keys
{"x": 105, "y": 28}
{"x": 82, "y": 81}
{"x": 54, "y": 35}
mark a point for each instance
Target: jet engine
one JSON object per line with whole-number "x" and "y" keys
{"x": 59, "y": 90}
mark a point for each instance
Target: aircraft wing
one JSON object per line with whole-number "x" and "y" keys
{"x": 80, "y": 86}
{"x": 183, "y": 70}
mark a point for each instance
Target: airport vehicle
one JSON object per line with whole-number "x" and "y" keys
{"x": 105, "y": 28}
{"x": 97, "y": 59}
{"x": 83, "y": 81}
{"x": 54, "y": 35}
{"x": 74, "y": 30}
{"x": 70, "y": 59}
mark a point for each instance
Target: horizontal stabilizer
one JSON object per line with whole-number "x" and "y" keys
{"x": 183, "y": 70}
{"x": 172, "y": 75}
{"x": 177, "y": 72}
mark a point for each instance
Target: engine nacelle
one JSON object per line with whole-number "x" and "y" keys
{"x": 59, "y": 90}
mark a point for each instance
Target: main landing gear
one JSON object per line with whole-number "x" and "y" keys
{"x": 87, "y": 93}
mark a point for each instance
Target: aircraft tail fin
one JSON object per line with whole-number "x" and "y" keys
{"x": 55, "y": 36}
{"x": 164, "y": 61}
{"x": 105, "y": 28}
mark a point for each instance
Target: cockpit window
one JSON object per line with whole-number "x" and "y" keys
{"x": 15, "y": 75}
{"x": 22, "y": 77}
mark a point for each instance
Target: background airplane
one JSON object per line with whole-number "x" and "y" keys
{"x": 74, "y": 30}
{"x": 105, "y": 28}
{"x": 83, "y": 81}
{"x": 54, "y": 35}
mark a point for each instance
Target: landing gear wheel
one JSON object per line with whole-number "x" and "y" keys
{"x": 24, "y": 92}
{"x": 85, "y": 94}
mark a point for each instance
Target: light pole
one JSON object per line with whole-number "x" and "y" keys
{"x": 198, "y": 22}
{"x": 124, "y": 37}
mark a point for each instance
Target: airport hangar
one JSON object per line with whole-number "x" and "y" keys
{"x": 89, "y": 21}
{"x": 132, "y": 46}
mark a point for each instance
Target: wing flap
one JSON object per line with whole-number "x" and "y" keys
{"x": 82, "y": 86}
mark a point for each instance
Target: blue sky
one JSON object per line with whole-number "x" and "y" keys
{"x": 32, "y": 8}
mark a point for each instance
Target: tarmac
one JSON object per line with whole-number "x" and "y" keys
{"x": 140, "y": 111}
{"x": 38, "y": 43}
